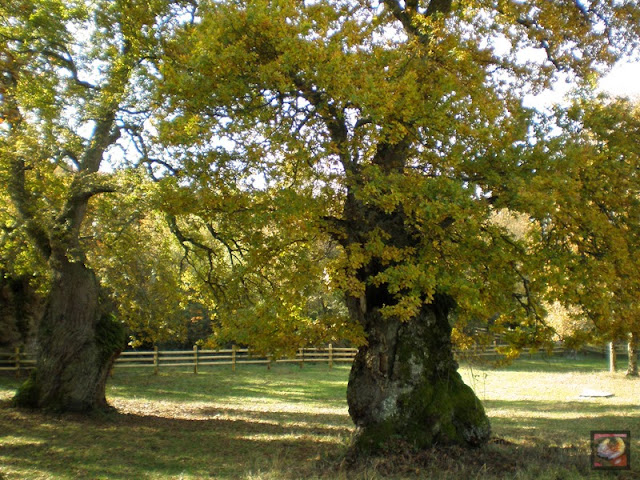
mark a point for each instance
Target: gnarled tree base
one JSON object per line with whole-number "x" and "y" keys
{"x": 404, "y": 385}
{"x": 77, "y": 346}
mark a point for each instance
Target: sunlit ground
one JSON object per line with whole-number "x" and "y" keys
{"x": 292, "y": 423}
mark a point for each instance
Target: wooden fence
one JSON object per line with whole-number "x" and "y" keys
{"x": 621, "y": 349}
{"x": 18, "y": 361}
{"x": 196, "y": 358}
{"x": 494, "y": 351}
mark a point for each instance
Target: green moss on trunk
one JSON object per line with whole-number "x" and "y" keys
{"x": 404, "y": 385}
{"x": 444, "y": 413}
{"x": 111, "y": 338}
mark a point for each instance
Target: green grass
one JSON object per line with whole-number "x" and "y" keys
{"x": 292, "y": 423}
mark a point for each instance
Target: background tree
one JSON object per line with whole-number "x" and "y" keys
{"x": 67, "y": 88}
{"x": 139, "y": 263}
{"x": 590, "y": 218}
{"x": 23, "y": 280}
{"x": 254, "y": 257}
{"x": 404, "y": 120}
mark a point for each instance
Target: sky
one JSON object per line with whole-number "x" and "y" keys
{"x": 622, "y": 80}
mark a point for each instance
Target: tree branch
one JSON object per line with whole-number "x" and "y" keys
{"x": 104, "y": 135}
{"x": 69, "y": 64}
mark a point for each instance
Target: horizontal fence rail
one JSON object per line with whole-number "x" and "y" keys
{"x": 495, "y": 350}
{"x": 604, "y": 349}
{"x": 197, "y": 358}
{"x": 18, "y": 361}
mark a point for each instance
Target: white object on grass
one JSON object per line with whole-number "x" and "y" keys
{"x": 595, "y": 393}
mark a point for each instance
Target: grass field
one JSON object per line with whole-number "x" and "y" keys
{"x": 292, "y": 423}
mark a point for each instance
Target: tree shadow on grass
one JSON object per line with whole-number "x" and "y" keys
{"x": 532, "y": 439}
{"x": 322, "y": 421}
{"x": 583, "y": 406}
{"x": 564, "y": 427}
{"x": 125, "y": 446}
{"x": 565, "y": 417}
{"x": 236, "y": 443}
{"x": 500, "y": 459}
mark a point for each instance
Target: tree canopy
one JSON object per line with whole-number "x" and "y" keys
{"x": 404, "y": 121}
{"x": 588, "y": 215}
{"x": 407, "y": 107}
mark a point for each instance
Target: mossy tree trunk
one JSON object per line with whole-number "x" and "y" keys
{"x": 405, "y": 385}
{"x": 632, "y": 350}
{"x": 78, "y": 344}
{"x": 51, "y": 178}
{"x": 77, "y": 340}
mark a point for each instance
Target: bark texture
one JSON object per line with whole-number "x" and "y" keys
{"x": 405, "y": 385}
{"x": 78, "y": 344}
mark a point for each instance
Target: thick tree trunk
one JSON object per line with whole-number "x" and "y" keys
{"x": 405, "y": 385}
{"x": 77, "y": 346}
{"x": 632, "y": 350}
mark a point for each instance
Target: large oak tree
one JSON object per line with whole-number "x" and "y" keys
{"x": 68, "y": 91}
{"x": 405, "y": 120}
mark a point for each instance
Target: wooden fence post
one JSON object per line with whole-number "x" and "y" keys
{"x": 17, "y": 362}
{"x": 233, "y": 358}
{"x": 195, "y": 359}
{"x": 330, "y": 355}
{"x": 301, "y": 357}
{"x": 269, "y": 362}
{"x": 612, "y": 357}
{"x": 156, "y": 361}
